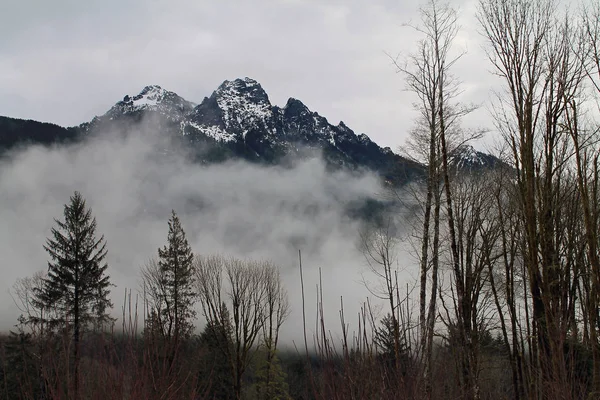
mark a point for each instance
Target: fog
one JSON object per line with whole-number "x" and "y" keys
{"x": 235, "y": 209}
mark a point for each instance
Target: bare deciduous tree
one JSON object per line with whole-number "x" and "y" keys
{"x": 250, "y": 296}
{"x": 540, "y": 54}
{"x": 154, "y": 292}
{"x": 429, "y": 76}
{"x": 378, "y": 243}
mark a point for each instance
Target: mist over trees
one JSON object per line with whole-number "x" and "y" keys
{"x": 504, "y": 296}
{"x": 65, "y": 321}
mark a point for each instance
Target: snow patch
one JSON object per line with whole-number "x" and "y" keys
{"x": 239, "y": 103}
{"x": 332, "y": 139}
{"x": 249, "y": 110}
{"x": 154, "y": 98}
{"x": 213, "y": 131}
{"x": 466, "y": 155}
{"x": 150, "y": 96}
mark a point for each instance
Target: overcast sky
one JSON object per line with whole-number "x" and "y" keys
{"x": 65, "y": 61}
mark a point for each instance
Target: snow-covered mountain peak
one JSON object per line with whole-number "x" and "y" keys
{"x": 149, "y": 96}
{"x": 152, "y": 89}
{"x": 246, "y": 88}
{"x": 153, "y": 98}
{"x": 238, "y": 120}
{"x": 243, "y": 104}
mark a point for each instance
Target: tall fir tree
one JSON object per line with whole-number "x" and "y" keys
{"x": 175, "y": 262}
{"x": 75, "y": 292}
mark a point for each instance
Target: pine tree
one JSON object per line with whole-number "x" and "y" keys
{"x": 177, "y": 280}
{"x": 75, "y": 292}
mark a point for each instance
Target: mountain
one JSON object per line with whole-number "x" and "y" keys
{"x": 238, "y": 121}
{"x": 153, "y": 98}
{"x": 466, "y": 158}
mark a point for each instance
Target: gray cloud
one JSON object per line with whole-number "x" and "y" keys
{"x": 67, "y": 61}
{"x": 236, "y": 209}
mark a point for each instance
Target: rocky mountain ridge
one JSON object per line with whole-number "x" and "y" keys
{"x": 238, "y": 121}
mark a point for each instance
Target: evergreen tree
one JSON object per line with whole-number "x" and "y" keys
{"x": 385, "y": 341}
{"x": 21, "y": 377}
{"x": 177, "y": 280}
{"x": 75, "y": 292}
{"x": 271, "y": 380}
{"x": 216, "y": 342}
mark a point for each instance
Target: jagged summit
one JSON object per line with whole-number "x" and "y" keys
{"x": 151, "y": 93}
{"x": 238, "y": 121}
{"x": 246, "y": 88}
{"x": 295, "y": 108}
{"x": 244, "y": 106}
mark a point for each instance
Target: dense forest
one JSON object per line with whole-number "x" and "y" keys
{"x": 506, "y": 298}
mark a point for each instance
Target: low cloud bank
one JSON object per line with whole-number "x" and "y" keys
{"x": 237, "y": 209}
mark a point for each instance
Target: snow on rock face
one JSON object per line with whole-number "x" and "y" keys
{"x": 149, "y": 96}
{"x": 364, "y": 138}
{"x": 153, "y": 98}
{"x": 212, "y": 131}
{"x": 469, "y": 155}
{"x": 240, "y": 121}
{"x": 244, "y": 105}
{"x": 466, "y": 157}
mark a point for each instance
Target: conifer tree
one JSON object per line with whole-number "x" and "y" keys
{"x": 385, "y": 339}
{"x": 270, "y": 379}
{"x": 175, "y": 262}
{"x": 216, "y": 341}
{"x": 20, "y": 377}
{"x": 76, "y": 290}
